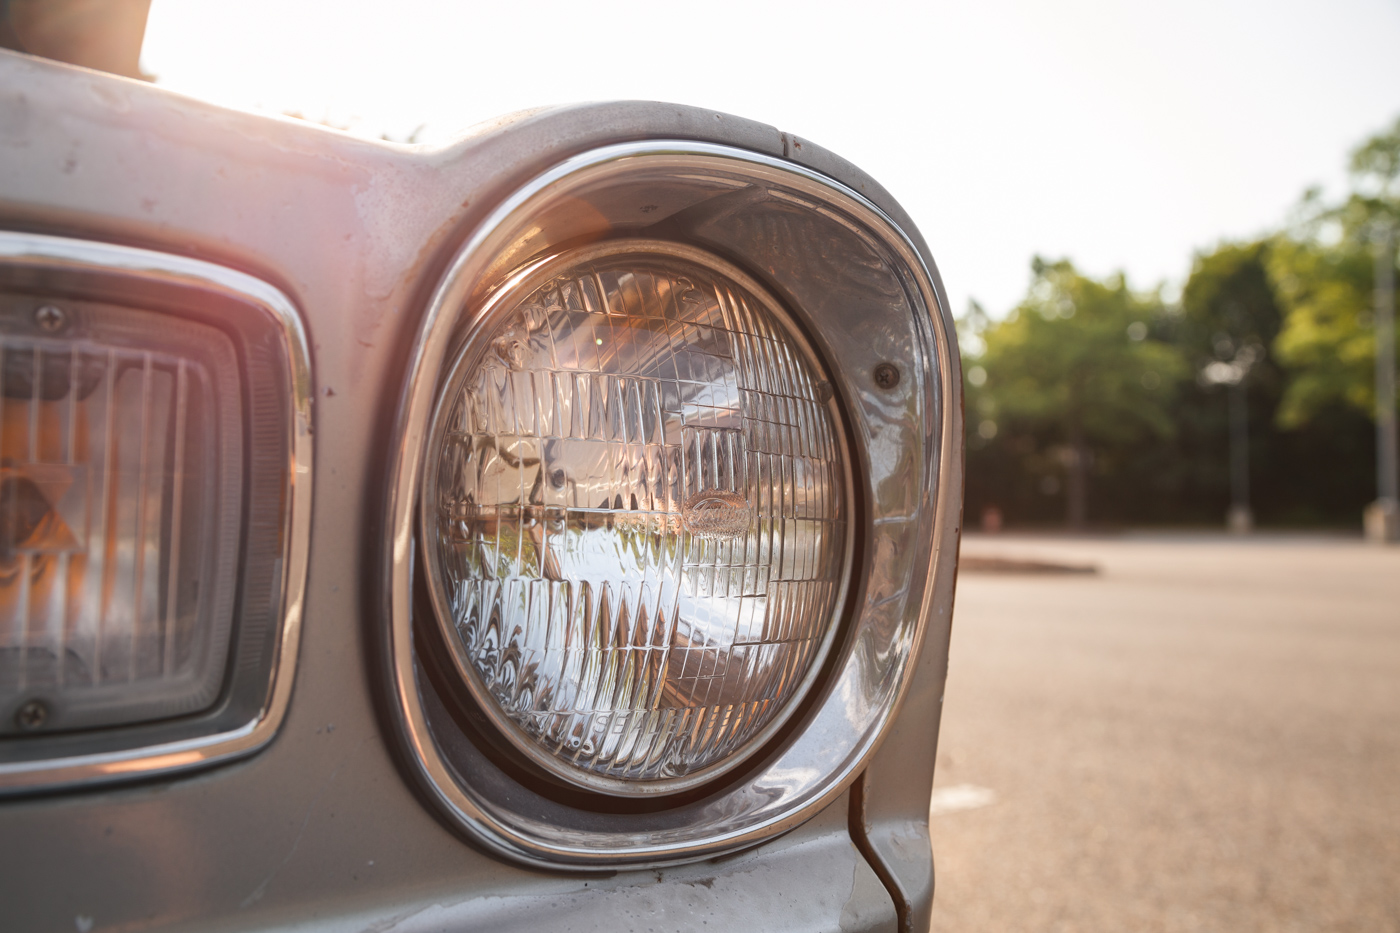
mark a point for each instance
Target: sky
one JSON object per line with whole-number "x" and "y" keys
{"x": 1124, "y": 136}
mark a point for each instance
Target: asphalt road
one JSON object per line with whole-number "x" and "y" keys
{"x": 1205, "y": 735}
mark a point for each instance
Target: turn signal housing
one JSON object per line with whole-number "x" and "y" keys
{"x": 155, "y": 450}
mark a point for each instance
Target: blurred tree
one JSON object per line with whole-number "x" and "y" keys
{"x": 1074, "y": 365}
{"x": 1230, "y": 317}
{"x": 1229, "y": 308}
{"x": 1325, "y": 271}
{"x": 1327, "y": 341}
{"x": 1233, "y": 310}
{"x": 1087, "y": 374}
{"x": 1375, "y": 164}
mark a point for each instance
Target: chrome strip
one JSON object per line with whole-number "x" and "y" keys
{"x": 603, "y": 850}
{"x": 60, "y": 254}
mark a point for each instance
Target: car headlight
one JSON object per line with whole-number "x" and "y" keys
{"x": 663, "y": 505}
{"x": 634, "y": 515}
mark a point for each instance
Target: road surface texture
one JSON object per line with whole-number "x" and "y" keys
{"x": 1202, "y": 736}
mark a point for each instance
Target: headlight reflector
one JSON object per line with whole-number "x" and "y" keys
{"x": 635, "y": 515}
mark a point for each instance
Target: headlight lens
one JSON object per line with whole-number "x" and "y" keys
{"x": 635, "y": 515}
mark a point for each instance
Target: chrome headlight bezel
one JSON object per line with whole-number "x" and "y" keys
{"x": 868, "y": 300}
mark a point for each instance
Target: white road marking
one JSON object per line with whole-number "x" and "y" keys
{"x": 960, "y": 797}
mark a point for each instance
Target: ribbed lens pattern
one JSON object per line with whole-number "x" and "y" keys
{"x": 110, "y": 513}
{"x": 640, "y": 527}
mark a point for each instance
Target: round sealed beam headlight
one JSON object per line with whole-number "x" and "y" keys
{"x": 662, "y": 546}
{"x": 635, "y": 515}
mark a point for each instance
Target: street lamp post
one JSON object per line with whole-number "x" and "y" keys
{"x": 1382, "y": 517}
{"x": 1240, "y": 519}
{"x": 1234, "y": 375}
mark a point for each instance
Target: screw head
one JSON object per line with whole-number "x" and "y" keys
{"x": 886, "y": 376}
{"x": 32, "y": 715}
{"x": 51, "y": 318}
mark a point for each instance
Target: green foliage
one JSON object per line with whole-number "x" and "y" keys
{"x": 1324, "y": 268}
{"x": 1088, "y": 379}
{"x": 1327, "y": 341}
{"x": 1077, "y": 353}
{"x": 1376, "y": 162}
{"x": 1229, "y": 306}
{"x": 1232, "y": 312}
{"x": 1230, "y": 317}
{"x": 1070, "y": 378}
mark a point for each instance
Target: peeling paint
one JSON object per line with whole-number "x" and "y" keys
{"x": 802, "y": 887}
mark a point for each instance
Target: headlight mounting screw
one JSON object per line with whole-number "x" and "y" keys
{"x": 886, "y": 376}
{"x": 32, "y": 715}
{"x": 51, "y": 318}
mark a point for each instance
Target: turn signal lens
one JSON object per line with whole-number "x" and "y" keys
{"x": 635, "y": 515}
{"x": 119, "y": 498}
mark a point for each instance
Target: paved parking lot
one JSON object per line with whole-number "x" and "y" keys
{"x": 1205, "y": 735}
